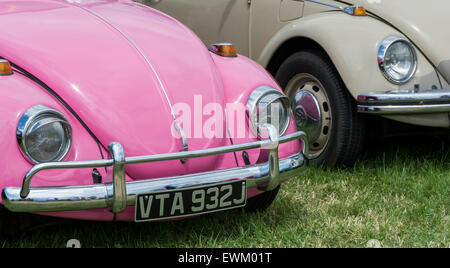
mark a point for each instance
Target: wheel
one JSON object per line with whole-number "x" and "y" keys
{"x": 261, "y": 202}
{"x": 323, "y": 108}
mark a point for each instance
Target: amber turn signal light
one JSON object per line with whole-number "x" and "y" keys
{"x": 359, "y": 11}
{"x": 5, "y": 68}
{"x": 224, "y": 49}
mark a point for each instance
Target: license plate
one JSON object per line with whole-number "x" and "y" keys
{"x": 190, "y": 201}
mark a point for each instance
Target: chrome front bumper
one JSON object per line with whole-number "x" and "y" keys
{"x": 405, "y": 102}
{"x": 119, "y": 194}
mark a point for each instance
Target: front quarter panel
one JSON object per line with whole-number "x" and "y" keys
{"x": 352, "y": 44}
{"x": 240, "y": 76}
{"x": 18, "y": 94}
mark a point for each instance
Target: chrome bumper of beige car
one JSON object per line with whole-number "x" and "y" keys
{"x": 405, "y": 102}
{"x": 119, "y": 194}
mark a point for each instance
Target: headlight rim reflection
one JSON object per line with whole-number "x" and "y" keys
{"x": 382, "y": 52}
{"x": 273, "y": 95}
{"x": 30, "y": 119}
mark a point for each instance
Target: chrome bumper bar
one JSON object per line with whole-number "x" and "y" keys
{"x": 119, "y": 194}
{"x": 405, "y": 102}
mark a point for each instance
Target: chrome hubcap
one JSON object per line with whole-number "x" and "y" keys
{"x": 308, "y": 115}
{"x": 312, "y": 111}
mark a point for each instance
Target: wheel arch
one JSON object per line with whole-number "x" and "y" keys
{"x": 289, "y": 47}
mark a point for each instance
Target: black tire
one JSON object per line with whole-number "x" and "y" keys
{"x": 346, "y": 136}
{"x": 261, "y": 202}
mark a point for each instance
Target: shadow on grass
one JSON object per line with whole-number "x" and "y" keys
{"x": 420, "y": 146}
{"x": 211, "y": 230}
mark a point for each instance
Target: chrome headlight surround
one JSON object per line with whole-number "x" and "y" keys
{"x": 260, "y": 100}
{"x": 385, "y": 62}
{"x": 33, "y": 120}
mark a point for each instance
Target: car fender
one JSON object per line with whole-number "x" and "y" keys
{"x": 240, "y": 76}
{"x": 352, "y": 44}
{"x": 18, "y": 94}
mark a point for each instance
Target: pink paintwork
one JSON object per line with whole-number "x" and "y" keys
{"x": 90, "y": 54}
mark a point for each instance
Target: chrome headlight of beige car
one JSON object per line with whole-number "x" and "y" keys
{"x": 43, "y": 134}
{"x": 397, "y": 60}
{"x": 267, "y": 105}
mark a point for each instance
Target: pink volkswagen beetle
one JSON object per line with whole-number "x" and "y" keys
{"x": 97, "y": 97}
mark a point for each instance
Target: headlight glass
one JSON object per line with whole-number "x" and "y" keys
{"x": 44, "y": 135}
{"x": 397, "y": 60}
{"x": 267, "y": 105}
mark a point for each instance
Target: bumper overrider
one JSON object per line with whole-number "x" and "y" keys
{"x": 405, "y": 102}
{"x": 119, "y": 194}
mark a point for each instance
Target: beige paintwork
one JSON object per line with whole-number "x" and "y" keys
{"x": 259, "y": 29}
{"x": 213, "y": 21}
{"x": 424, "y": 22}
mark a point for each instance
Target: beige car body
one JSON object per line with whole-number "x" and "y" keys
{"x": 268, "y": 30}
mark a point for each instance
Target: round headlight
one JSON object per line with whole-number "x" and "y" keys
{"x": 397, "y": 60}
{"x": 44, "y": 135}
{"x": 267, "y": 105}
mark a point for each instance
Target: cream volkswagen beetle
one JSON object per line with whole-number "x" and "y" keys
{"x": 338, "y": 60}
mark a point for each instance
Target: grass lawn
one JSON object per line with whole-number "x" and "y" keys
{"x": 396, "y": 196}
